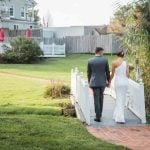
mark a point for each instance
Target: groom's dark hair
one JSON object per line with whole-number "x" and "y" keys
{"x": 98, "y": 49}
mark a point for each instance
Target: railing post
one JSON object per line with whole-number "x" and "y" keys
{"x": 87, "y": 104}
{"x": 53, "y": 48}
{"x": 64, "y": 50}
{"x": 72, "y": 86}
{"x": 72, "y": 80}
{"x": 80, "y": 91}
{"x": 143, "y": 113}
{"x": 76, "y": 74}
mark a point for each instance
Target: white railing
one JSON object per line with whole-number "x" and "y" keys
{"x": 53, "y": 50}
{"x": 135, "y": 99}
{"x": 83, "y": 98}
{"x": 2, "y": 47}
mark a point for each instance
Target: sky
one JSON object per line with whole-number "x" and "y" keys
{"x": 76, "y": 12}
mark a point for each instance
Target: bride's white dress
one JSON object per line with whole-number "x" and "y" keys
{"x": 121, "y": 84}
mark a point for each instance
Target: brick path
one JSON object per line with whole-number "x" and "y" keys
{"x": 132, "y": 134}
{"x": 133, "y": 137}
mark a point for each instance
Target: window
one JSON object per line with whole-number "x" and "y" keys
{"x": 16, "y": 27}
{"x": 22, "y": 12}
{"x": 92, "y": 33}
{"x": 11, "y": 11}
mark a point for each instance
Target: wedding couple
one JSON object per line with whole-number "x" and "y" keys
{"x": 99, "y": 77}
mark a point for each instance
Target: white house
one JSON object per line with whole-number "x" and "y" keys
{"x": 60, "y": 32}
{"x": 17, "y": 14}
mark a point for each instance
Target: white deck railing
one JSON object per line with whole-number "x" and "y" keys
{"x": 49, "y": 50}
{"x": 53, "y": 50}
{"x": 135, "y": 99}
{"x": 82, "y": 98}
{"x": 2, "y": 48}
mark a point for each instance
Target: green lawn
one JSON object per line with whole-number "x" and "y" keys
{"x": 26, "y": 96}
{"x": 28, "y": 121}
{"x": 52, "y": 68}
{"x": 38, "y": 132}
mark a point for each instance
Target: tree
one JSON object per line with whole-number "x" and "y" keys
{"x": 136, "y": 39}
{"x": 118, "y": 22}
{"x": 22, "y": 50}
{"x": 34, "y": 14}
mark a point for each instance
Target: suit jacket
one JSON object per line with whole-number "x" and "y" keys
{"x": 98, "y": 72}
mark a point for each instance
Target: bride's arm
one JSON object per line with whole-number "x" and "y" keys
{"x": 112, "y": 72}
{"x": 128, "y": 71}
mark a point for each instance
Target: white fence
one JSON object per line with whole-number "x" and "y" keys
{"x": 53, "y": 50}
{"x": 135, "y": 99}
{"x": 2, "y": 48}
{"x": 82, "y": 98}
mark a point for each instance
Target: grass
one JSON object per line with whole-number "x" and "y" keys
{"x": 28, "y": 121}
{"x": 52, "y": 68}
{"x": 36, "y": 132}
{"x": 26, "y": 97}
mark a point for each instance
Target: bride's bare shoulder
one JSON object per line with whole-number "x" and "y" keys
{"x": 114, "y": 63}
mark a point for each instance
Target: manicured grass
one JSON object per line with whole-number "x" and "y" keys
{"x": 28, "y": 121}
{"x": 34, "y": 132}
{"x": 26, "y": 97}
{"x": 52, "y": 68}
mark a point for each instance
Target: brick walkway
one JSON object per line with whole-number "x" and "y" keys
{"x": 133, "y": 137}
{"x": 132, "y": 134}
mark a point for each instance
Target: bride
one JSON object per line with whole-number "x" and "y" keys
{"x": 120, "y": 70}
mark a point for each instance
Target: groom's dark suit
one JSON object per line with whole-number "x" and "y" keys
{"x": 98, "y": 77}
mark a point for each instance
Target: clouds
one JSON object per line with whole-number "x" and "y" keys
{"x": 77, "y": 12}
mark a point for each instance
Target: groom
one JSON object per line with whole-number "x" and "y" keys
{"x": 98, "y": 78}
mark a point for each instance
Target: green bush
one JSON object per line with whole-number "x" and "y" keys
{"x": 22, "y": 50}
{"x": 57, "y": 90}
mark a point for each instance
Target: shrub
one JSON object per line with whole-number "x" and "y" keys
{"x": 2, "y": 59}
{"x": 57, "y": 90}
{"x": 22, "y": 50}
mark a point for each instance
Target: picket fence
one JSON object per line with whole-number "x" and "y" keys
{"x": 82, "y": 98}
{"x": 53, "y": 50}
